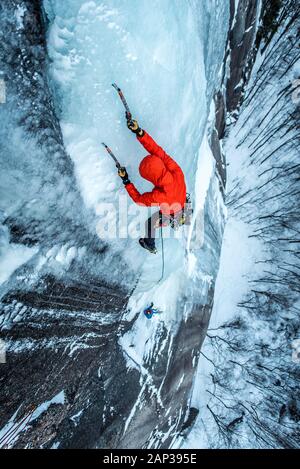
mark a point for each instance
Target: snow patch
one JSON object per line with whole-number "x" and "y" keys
{"x": 19, "y": 14}
{"x": 12, "y": 258}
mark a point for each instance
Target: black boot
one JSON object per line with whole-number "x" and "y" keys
{"x": 145, "y": 245}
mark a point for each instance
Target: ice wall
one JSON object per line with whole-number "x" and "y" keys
{"x": 166, "y": 57}
{"x": 74, "y": 292}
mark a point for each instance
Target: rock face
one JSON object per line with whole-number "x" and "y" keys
{"x": 242, "y": 34}
{"x": 36, "y": 213}
{"x": 253, "y": 374}
{"x": 66, "y": 346}
{"x": 238, "y": 61}
{"x": 63, "y": 312}
{"x": 166, "y": 376}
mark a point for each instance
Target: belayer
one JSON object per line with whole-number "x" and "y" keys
{"x": 169, "y": 192}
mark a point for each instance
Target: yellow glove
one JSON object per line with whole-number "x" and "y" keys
{"x": 124, "y": 176}
{"x": 122, "y": 172}
{"x": 134, "y": 127}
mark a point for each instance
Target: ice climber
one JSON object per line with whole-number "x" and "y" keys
{"x": 169, "y": 192}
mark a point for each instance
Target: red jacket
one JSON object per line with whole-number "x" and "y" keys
{"x": 169, "y": 192}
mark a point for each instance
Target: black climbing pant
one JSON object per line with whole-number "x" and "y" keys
{"x": 153, "y": 223}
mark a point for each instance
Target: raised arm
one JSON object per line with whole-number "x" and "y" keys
{"x": 151, "y": 146}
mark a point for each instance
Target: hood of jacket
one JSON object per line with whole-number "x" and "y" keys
{"x": 153, "y": 169}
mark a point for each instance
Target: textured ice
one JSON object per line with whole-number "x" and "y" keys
{"x": 93, "y": 44}
{"x": 144, "y": 50}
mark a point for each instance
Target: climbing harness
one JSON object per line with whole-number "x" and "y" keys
{"x": 184, "y": 216}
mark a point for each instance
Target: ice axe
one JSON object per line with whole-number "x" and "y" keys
{"x": 122, "y": 97}
{"x": 121, "y": 169}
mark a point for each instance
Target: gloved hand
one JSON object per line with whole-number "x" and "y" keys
{"x": 124, "y": 176}
{"x": 134, "y": 127}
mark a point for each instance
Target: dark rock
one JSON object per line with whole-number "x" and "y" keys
{"x": 241, "y": 40}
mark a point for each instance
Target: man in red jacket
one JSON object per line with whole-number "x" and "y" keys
{"x": 169, "y": 192}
